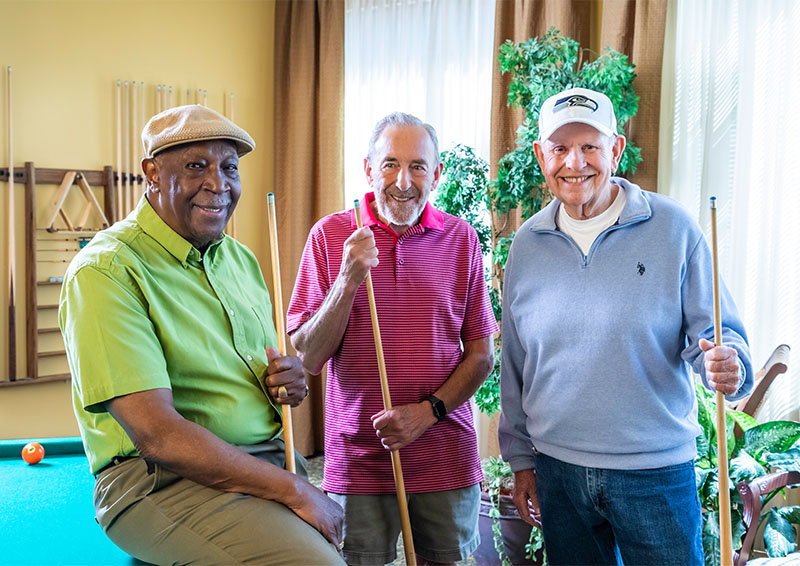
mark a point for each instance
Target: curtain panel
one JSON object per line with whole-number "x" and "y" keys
{"x": 308, "y": 151}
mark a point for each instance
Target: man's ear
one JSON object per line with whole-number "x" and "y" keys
{"x": 368, "y": 170}
{"x": 616, "y": 151}
{"x": 437, "y": 175}
{"x": 539, "y": 152}
{"x": 150, "y": 169}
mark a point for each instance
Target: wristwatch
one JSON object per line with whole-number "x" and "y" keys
{"x": 439, "y": 410}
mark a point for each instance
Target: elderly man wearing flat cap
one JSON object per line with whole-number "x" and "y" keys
{"x": 169, "y": 335}
{"x": 607, "y": 307}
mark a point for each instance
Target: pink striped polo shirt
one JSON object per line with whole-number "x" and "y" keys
{"x": 430, "y": 295}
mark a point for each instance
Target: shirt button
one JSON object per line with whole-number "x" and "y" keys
{"x": 249, "y": 358}
{"x": 400, "y": 261}
{"x": 233, "y": 313}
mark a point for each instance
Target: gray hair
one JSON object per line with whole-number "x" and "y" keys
{"x": 402, "y": 119}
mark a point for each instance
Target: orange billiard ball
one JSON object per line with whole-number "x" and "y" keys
{"x": 33, "y": 452}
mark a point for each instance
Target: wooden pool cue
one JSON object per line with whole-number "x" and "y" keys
{"x": 286, "y": 411}
{"x": 405, "y": 522}
{"x": 120, "y": 204}
{"x": 134, "y": 145}
{"x": 725, "y": 542}
{"x": 126, "y": 120}
{"x": 12, "y": 259}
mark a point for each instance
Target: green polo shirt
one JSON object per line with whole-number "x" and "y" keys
{"x": 142, "y": 309}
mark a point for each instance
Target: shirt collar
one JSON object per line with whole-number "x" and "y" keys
{"x": 636, "y": 207}
{"x": 432, "y": 218}
{"x": 155, "y": 227}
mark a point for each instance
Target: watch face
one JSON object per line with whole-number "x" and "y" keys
{"x": 439, "y": 410}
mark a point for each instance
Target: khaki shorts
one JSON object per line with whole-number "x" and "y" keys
{"x": 444, "y": 525}
{"x": 162, "y": 518}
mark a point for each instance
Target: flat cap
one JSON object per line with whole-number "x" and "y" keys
{"x": 192, "y": 123}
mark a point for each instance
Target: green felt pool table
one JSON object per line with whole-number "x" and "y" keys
{"x": 46, "y": 510}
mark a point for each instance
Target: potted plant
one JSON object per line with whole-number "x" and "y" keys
{"x": 505, "y": 538}
{"x": 539, "y": 67}
{"x": 762, "y": 449}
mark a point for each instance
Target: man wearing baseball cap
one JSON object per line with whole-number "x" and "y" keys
{"x": 608, "y": 301}
{"x": 169, "y": 335}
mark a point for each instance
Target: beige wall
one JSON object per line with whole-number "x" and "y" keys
{"x": 66, "y": 56}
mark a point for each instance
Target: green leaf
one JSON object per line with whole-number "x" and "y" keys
{"x": 706, "y": 410}
{"x": 774, "y": 436}
{"x": 791, "y": 513}
{"x": 745, "y": 421}
{"x": 463, "y": 190}
{"x": 788, "y": 461}
{"x": 730, "y": 437}
{"x": 745, "y": 468}
{"x": 487, "y": 397}
{"x": 535, "y": 544}
{"x": 779, "y": 535}
{"x": 701, "y": 477}
{"x": 711, "y": 538}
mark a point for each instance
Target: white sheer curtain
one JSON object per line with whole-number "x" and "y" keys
{"x": 735, "y": 134}
{"x": 430, "y": 58}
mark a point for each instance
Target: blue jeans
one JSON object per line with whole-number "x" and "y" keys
{"x": 635, "y": 517}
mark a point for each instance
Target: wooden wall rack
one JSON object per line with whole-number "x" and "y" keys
{"x": 31, "y": 176}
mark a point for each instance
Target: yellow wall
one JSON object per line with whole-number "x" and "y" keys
{"x": 66, "y": 56}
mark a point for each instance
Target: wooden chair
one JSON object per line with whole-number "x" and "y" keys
{"x": 751, "y": 493}
{"x": 777, "y": 364}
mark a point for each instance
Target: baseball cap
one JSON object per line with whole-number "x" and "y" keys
{"x": 577, "y": 105}
{"x": 192, "y": 123}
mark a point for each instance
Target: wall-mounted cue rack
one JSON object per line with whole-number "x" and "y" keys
{"x": 71, "y": 218}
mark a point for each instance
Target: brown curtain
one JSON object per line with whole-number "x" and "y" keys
{"x": 633, "y": 27}
{"x": 309, "y": 151}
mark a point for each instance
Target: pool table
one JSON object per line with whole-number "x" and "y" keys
{"x": 46, "y": 510}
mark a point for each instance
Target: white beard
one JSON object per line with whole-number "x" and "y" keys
{"x": 397, "y": 213}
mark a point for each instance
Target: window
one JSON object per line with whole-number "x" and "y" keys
{"x": 735, "y": 127}
{"x": 430, "y": 58}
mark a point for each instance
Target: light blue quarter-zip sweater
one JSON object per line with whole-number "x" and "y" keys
{"x": 596, "y": 349}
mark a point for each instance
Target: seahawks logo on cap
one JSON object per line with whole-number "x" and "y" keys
{"x": 575, "y": 100}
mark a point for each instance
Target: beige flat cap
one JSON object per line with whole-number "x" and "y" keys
{"x": 192, "y": 123}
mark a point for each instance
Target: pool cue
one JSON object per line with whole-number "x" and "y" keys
{"x": 140, "y": 149}
{"x": 120, "y": 195}
{"x": 286, "y": 411}
{"x": 405, "y": 523}
{"x": 12, "y": 260}
{"x": 134, "y": 150}
{"x": 126, "y": 120}
{"x": 725, "y": 542}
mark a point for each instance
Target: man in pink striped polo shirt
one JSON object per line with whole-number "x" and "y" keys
{"x": 436, "y": 325}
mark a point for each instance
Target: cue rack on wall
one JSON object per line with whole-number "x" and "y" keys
{"x": 56, "y": 228}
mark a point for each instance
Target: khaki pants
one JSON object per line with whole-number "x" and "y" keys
{"x": 162, "y": 518}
